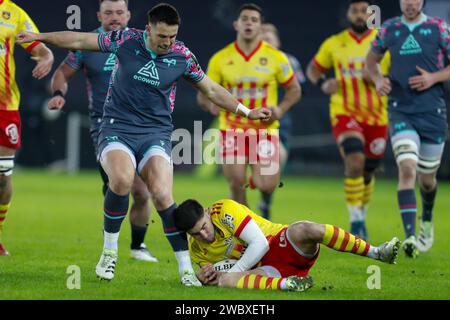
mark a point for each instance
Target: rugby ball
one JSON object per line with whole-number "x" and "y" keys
{"x": 224, "y": 265}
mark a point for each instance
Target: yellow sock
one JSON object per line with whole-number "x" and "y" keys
{"x": 256, "y": 281}
{"x": 354, "y": 192}
{"x": 368, "y": 191}
{"x": 341, "y": 240}
{"x": 3, "y": 210}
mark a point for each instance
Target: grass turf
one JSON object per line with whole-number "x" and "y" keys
{"x": 56, "y": 220}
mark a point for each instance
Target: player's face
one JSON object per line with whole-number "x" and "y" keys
{"x": 411, "y": 8}
{"x": 270, "y": 37}
{"x": 248, "y": 25}
{"x": 161, "y": 36}
{"x": 357, "y": 16}
{"x": 203, "y": 230}
{"x": 113, "y": 15}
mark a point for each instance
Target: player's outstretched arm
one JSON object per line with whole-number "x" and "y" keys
{"x": 223, "y": 99}
{"x": 44, "y": 60}
{"x": 63, "y": 39}
{"x": 59, "y": 84}
{"x": 382, "y": 83}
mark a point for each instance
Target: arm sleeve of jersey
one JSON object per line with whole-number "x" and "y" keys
{"x": 111, "y": 41}
{"x": 445, "y": 38}
{"x": 214, "y": 69}
{"x": 379, "y": 45}
{"x": 386, "y": 64}
{"x": 26, "y": 24}
{"x": 74, "y": 60}
{"x": 257, "y": 246}
{"x": 285, "y": 73}
{"x": 193, "y": 71}
{"x": 323, "y": 58}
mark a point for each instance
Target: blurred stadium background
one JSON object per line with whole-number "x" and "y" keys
{"x": 48, "y": 143}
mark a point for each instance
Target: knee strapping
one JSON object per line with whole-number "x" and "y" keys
{"x": 6, "y": 165}
{"x": 352, "y": 145}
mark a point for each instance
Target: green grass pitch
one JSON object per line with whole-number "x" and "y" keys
{"x": 56, "y": 220}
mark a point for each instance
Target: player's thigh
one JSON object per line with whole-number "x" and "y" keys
{"x": 231, "y": 279}
{"x": 430, "y": 156}
{"x": 405, "y": 139}
{"x": 236, "y": 174}
{"x": 157, "y": 174}
{"x": 119, "y": 166}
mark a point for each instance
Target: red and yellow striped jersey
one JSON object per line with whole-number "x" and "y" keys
{"x": 356, "y": 97}
{"x": 12, "y": 20}
{"x": 229, "y": 219}
{"x": 252, "y": 79}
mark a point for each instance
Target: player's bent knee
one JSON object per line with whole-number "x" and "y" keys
{"x": 6, "y": 165}
{"x": 405, "y": 149}
{"x": 371, "y": 165}
{"x": 304, "y": 231}
{"x": 352, "y": 145}
{"x": 428, "y": 166}
{"x": 120, "y": 182}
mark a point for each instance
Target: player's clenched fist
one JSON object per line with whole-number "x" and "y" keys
{"x": 263, "y": 114}
{"x": 56, "y": 103}
{"x": 26, "y": 36}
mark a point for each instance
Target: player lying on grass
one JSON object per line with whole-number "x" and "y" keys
{"x": 269, "y": 256}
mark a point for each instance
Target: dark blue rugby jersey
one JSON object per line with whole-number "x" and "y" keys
{"x": 425, "y": 44}
{"x": 142, "y": 90}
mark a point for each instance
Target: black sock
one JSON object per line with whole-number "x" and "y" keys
{"x": 267, "y": 199}
{"x": 408, "y": 209}
{"x": 104, "y": 179}
{"x": 177, "y": 239}
{"x": 115, "y": 211}
{"x": 427, "y": 204}
{"x": 137, "y": 236}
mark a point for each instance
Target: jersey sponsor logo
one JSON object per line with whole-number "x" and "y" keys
{"x": 12, "y": 133}
{"x": 425, "y": 32}
{"x": 378, "y": 146}
{"x": 170, "y": 62}
{"x": 148, "y": 74}
{"x": 262, "y": 69}
{"x": 110, "y": 63}
{"x": 228, "y": 220}
{"x": 6, "y": 15}
{"x": 410, "y": 46}
{"x": 29, "y": 26}
{"x": 400, "y": 126}
{"x": 7, "y": 25}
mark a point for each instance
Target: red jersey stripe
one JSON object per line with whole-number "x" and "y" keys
{"x": 242, "y": 226}
{"x": 344, "y": 88}
{"x": 355, "y": 86}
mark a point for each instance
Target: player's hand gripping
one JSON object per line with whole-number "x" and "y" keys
{"x": 26, "y": 36}
{"x": 56, "y": 103}
{"x": 263, "y": 114}
{"x": 383, "y": 86}
{"x": 208, "y": 275}
{"x": 423, "y": 81}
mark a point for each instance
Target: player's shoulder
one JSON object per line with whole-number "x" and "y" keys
{"x": 438, "y": 22}
{"x": 268, "y": 49}
{"x": 392, "y": 22}
{"x": 220, "y": 207}
{"x": 225, "y": 51}
{"x": 13, "y": 10}
{"x": 179, "y": 47}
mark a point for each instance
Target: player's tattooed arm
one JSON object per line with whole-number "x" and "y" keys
{"x": 44, "y": 60}
{"x": 63, "y": 39}
{"x": 223, "y": 99}
{"x": 382, "y": 83}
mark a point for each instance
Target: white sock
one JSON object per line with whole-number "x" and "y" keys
{"x": 110, "y": 240}
{"x": 373, "y": 252}
{"x": 356, "y": 214}
{"x": 184, "y": 261}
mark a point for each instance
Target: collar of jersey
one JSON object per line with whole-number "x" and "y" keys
{"x": 412, "y": 26}
{"x": 152, "y": 53}
{"x": 101, "y": 30}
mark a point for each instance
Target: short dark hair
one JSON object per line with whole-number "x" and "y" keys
{"x": 164, "y": 12}
{"x": 101, "y": 1}
{"x": 253, "y": 7}
{"x": 188, "y": 214}
{"x": 350, "y": 2}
